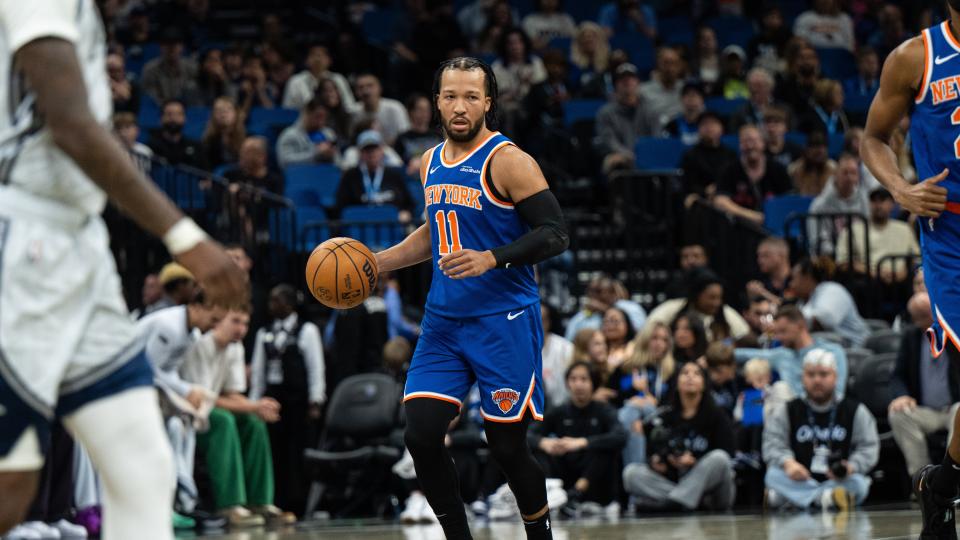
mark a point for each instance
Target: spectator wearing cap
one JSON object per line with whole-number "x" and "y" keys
{"x": 703, "y": 164}
{"x": 179, "y": 287}
{"x": 389, "y": 113}
{"x": 811, "y": 172}
{"x": 819, "y": 447}
{"x": 731, "y": 84}
{"x": 302, "y": 87}
{"x": 684, "y": 126}
{"x": 760, "y": 86}
{"x": 661, "y": 94}
{"x": 867, "y": 80}
{"x": 750, "y": 181}
{"x": 309, "y": 140}
{"x": 170, "y": 76}
{"x": 825, "y": 112}
{"x": 776, "y": 119}
{"x": 372, "y": 182}
{"x": 826, "y": 26}
{"x": 887, "y": 237}
{"x": 622, "y": 121}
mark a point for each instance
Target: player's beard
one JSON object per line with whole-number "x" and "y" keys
{"x": 469, "y": 135}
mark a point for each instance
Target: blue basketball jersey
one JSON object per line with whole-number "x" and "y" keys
{"x": 935, "y": 122}
{"x": 465, "y": 213}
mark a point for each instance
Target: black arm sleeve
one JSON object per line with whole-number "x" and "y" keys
{"x": 547, "y": 236}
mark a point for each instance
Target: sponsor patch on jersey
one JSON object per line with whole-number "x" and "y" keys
{"x": 469, "y": 169}
{"x": 505, "y": 398}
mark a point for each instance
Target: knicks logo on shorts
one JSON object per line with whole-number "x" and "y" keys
{"x": 505, "y": 398}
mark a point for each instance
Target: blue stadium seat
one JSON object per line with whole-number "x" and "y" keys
{"x": 724, "y": 107}
{"x": 148, "y": 117}
{"x": 837, "y": 64}
{"x": 638, "y": 47}
{"x": 732, "y": 30}
{"x": 582, "y": 11}
{"x": 658, "y": 153}
{"x": 271, "y": 118}
{"x": 778, "y": 209}
{"x": 312, "y": 227}
{"x": 675, "y": 30}
{"x": 797, "y": 138}
{"x": 416, "y": 191}
{"x": 312, "y": 185}
{"x": 731, "y": 141}
{"x": 376, "y": 226}
{"x": 379, "y": 26}
{"x": 576, "y": 110}
{"x": 137, "y": 56}
{"x": 855, "y": 104}
{"x": 561, "y": 44}
{"x": 197, "y": 118}
{"x": 835, "y": 145}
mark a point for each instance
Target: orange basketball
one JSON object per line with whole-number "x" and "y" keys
{"x": 342, "y": 273}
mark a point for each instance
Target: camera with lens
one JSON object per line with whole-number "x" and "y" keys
{"x": 835, "y": 462}
{"x": 661, "y": 440}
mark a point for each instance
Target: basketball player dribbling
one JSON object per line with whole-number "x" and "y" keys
{"x": 490, "y": 218}
{"x": 923, "y": 73}
{"x": 68, "y": 349}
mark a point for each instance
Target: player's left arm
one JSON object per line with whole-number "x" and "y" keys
{"x": 518, "y": 176}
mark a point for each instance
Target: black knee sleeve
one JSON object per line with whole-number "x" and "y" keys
{"x": 508, "y": 446}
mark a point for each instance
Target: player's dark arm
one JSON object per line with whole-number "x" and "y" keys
{"x": 899, "y": 82}
{"x": 53, "y": 73}
{"x": 415, "y": 248}
{"x": 519, "y": 177}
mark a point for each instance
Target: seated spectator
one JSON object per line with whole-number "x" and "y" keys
{"x": 867, "y": 80}
{"x": 372, "y": 182}
{"x": 621, "y": 121}
{"x": 619, "y": 334}
{"x": 725, "y": 384}
{"x": 684, "y": 126}
{"x": 579, "y": 442}
{"x": 689, "y": 452}
{"x": 544, "y": 103}
{"x": 826, "y": 26}
{"x": 925, "y": 387}
{"x": 351, "y": 156}
{"x": 179, "y": 287}
{"x": 825, "y": 112}
{"x": 171, "y": 76}
{"x": 887, "y": 237}
{"x": 827, "y": 305}
{"x": 590, "y": 346}
{"x": 811, "y": 172}
{"x": 288, "y": 367}
{"x": 892, "y": 30}
{"x": 819, "y": 448}
{"x": 621, "y": 299}
{"x": 705, "y": 299}
{"x": 759, "y": 316}
{"x": 689, "y": 337}
{"x": 803, "y": 71}
{"x": 628, "y": 16}
{"x": 255, "y": 89}
{"x": 590, "y": 55}
{"x": 340, "y": 117}
{"x": 704, "y": 163}
{"x": 760, "y": 87}
{"x": 495, "y": 19}
{"x": 693, "y": 256}
{"x": 661, "y": 94}
{"x": 422, "y": 136}
{"x": 791, "y": 330}
{"x": 253, "y": 167}
{"x": 310, "y": 139}
{"x": 600, "y": 295}
{"x": 732, "y": 84}
{"x": 557, "y": 355}
{"x": 124, "y": 90}
{"x": 212, "y": 79}
{"x": 768, "y": 47}
{"x": 779, "y": 149}
{"x": 127, "y": 130}
{"x": 753, "y": 400}
{"x": 845, "y": 193}
{"x": 548, "y": 21}
{"x": 750, "y": 181}
{"x": 851, "y": 145}
{"x": 397, "y": 353}
{"x": 517, "y": 69}
{"x": 390, "y": 114}
{"x": 169, "y": 143}
{"x": 224, "y": 134}
{"x": 705, "y": 61}
{"x": 773, "y": 261}
{"x": 304, "y": 86}
{"x": 236, "y": 445}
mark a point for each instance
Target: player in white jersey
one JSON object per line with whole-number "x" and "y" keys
{"x": 67, "y": 347}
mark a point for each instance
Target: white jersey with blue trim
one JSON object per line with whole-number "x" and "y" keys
{"x": 29, "y": 159}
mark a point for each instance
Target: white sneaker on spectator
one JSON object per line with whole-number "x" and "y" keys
{"x": 42, "y": 529}
{"x": 479, "y": 507}
{"x": 413, "y": 508}
{"x": 612, "y": 510}
{"x": 503, "y": 505}
{"x": 427, "y": 515}
{"x": 589, "y": 509}
{"x": 69, "y": 530}
{"x": 22, "y": 532}
{"x": 772, "y": 500}
{"x": 556, "y": 495}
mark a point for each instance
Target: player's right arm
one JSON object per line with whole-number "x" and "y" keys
{"x": 49, "y": 63}
{"x": 416, "y": 247}
{"x": 899, "y": 82}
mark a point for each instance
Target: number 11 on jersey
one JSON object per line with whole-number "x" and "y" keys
{"x": 449, "y": 241}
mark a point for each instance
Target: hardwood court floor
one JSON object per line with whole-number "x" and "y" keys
{"x": 875, "y": 524}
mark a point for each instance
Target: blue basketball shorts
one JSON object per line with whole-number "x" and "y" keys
{"x": 500, "y": 352}
{"x": 940, "y": 246}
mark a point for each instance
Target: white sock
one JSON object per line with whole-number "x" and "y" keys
{"x": 124, "y": 436}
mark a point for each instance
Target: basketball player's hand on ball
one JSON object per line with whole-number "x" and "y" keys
{"x": 927, "y": 198}
{"x": 223, "y": 282}
{"x": 467, "y": 263}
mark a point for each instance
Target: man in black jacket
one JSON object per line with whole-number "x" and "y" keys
{"x": 580, "y": 442}
{"x": 169, "y": 142}
{"x": 926, "y": 389}
{"x": 371, "y": 182}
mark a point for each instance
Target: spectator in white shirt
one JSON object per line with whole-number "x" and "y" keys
{"x": 303, "y": 86}
{"x": 389, "y": 113}
{"x": 827, "y": 305}
{"x": 887, "y": 237}
{"x": 557, "y": 355}
{"x": 547, "y": 22}
{"x": 825, "y": 26}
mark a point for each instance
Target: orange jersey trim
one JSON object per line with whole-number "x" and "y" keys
{"x": 953, "y": 207}
{"x": 947, "y": 335}
{"x": 527, "y": 403}
{"x": 432, "y": 395}
{"x": 487, "y": 188}
{"x": 945, "y": 25}
{"x": 927, "y": 57}
{"x": 468, "y": 154}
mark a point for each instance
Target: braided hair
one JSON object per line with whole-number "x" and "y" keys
{"x": 468, "y": 63}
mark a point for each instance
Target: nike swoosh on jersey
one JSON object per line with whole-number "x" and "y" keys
{"x": 433, "y": 170}
{"x": 512, "y": 316}
{"x": 939, "y": 60}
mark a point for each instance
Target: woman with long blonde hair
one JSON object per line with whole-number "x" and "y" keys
{"x": 590, "y": 49}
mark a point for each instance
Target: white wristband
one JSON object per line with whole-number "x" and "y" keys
{"x": 183, "y": 236}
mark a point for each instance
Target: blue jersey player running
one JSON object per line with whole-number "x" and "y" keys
{"x": 490, "y": 218}
{"x": 923, "y": 73}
